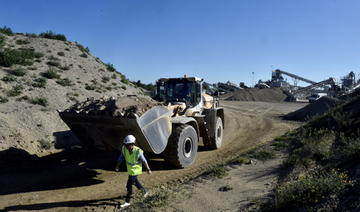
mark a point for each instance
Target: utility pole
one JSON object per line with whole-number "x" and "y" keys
{"x": 253, "y": 78}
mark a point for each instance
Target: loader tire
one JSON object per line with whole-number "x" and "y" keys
{"x": 182, "y": 147}
{"x": 216, "y": 142}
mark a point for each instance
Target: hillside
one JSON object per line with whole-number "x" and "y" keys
{"x": 40, "y": 74}
{"x": 322, "y": 168}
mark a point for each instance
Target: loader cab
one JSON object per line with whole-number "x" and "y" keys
{"x": 187, "y": 90}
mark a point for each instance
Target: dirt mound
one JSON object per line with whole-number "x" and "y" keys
{"x": 319, "y": 107}
{"x": 255, "y": 94}
{"x": 44, "y": 75}
{"x": 128, "y": 106}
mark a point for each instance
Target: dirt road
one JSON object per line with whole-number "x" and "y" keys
{"x": 77, "y": 179}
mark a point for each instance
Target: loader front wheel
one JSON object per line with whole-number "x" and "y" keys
{"x": 216, "y": 141}
{"x": 182, "y": 147}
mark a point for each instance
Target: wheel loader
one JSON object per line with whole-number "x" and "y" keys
{"x": 172, "y": 129}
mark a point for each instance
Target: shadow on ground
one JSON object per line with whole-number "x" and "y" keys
{"x": 44, "y": 206}
{"x": 22, "y": 172}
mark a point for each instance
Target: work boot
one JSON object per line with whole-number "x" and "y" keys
{"x": 126, "y": 204}
{"x": 145, "y": 193}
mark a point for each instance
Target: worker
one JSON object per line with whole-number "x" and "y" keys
{"x": 184, "y": 92}
{"x": 134, "y": 158}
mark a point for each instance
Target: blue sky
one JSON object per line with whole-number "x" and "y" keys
{"x": 218, "y": 40}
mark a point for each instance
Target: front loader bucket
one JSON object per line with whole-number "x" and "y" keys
{"x": 151, "y": 130}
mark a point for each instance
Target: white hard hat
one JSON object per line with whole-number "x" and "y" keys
{"x": 129, "y": 139}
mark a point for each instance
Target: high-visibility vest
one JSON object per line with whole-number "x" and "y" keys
{"x": 133, "y": 162}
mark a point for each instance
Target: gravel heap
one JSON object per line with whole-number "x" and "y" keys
{"x": 255, "y": 94}
{"x": 316, "y": 108}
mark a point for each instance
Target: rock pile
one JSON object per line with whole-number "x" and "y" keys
{"x": 131, "y": 106}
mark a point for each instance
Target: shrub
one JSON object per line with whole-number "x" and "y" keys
{"x": 17, "y": 56}
{"x": 44, "y": 144}
{"x": 83, "y": 55}
{"x": 110, "y": 67}
{"x": 2, "y": 41}
{"x": 263, "y": 155}
{"x": 51, "y": 57}
{"x": 53, "y": 63}
{"x": 123, "y": 87}
{"x": 52, "y": 35}
{"x": 225, "y": 188}
{"x": 310, "y": 144}
{"x": 39, "y": 82}
{"x": 61, "y": 53}
{"x": 39, "y": 101}
{"x": 3, "y": 99}
{"x": 31, "y": 35}
{"x": 18, "y": 72}
{"x": 6, "y": 30}
{"x": 123, "y": 79}
{"x": 113, "y": 76}
{"x": 82, "y": 48}
{"x": 15, "y": 91}
{"x": 22, "y": 98}
{"x": 64, "y": 82}
{"x": 32, "y": 68}
{"x": 240, "y": 160}
{"x": 65, "y": 68}
{"x": 22, "y": 42}
{"x": 89, "y": 87}
{"x": 311, "y": 188}
{"x": 8, "y": 78}
{"x": 157, "y": 200}
{"x": 72, "y": 96}
{"x": 105, "y": 79}
{"x": 50, "y": 74}
{"x": 218, "y": 171}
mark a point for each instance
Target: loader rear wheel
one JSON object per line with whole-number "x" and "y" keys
{"x": 182, "y": 147}
{"x": 216, "y": 141}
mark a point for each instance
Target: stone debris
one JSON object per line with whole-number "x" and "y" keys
{"x": 131, "y": 106}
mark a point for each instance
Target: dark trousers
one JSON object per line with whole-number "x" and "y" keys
{"x": 132, "y": 180}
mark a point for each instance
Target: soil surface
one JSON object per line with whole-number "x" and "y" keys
{"x": 243, "y": 186}
{"x": 79, "y": 180}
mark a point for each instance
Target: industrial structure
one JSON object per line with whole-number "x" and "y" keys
{"x": 329, "y": 86}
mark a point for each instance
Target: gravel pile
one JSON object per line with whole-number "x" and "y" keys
{"x": 255, "y": 94}
{"x": 316, "y": 108}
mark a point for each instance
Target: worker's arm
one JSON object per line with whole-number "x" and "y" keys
{"x": 118, "y": 162}
{"x": 143, "y": 160}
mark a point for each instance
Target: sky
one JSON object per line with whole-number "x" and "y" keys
{"x": 218, "y": 40}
